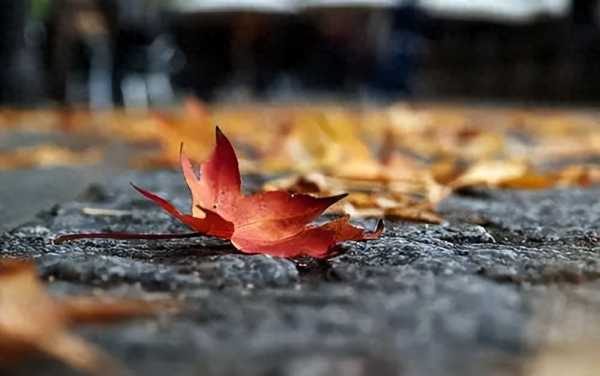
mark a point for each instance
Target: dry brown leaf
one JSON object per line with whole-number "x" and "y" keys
{"x": 47, "y": 155}
{"x": 529, "y": 181}
{"x": 417, "y": 213}
{"x": 520, "y": 175}
{"x": 33, "y": 321}
{"x": 371, "y": 200}
{"x": 491, "y": 174}
{"x": 578, "y": 175}
{"x": 580, "y": 359}
{"x": 420, "y": 151}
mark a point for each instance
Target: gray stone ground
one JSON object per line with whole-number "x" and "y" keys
{"x": 510, "y": 274}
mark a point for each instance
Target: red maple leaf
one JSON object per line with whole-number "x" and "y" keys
{"x": 276, "y": 223}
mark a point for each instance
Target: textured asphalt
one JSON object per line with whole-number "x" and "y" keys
{"x": 512, "y": 277}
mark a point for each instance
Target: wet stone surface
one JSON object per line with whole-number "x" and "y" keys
{"x": 469, "y": 297}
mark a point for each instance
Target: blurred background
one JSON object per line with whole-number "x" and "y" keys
{"x": 140, "y": 53}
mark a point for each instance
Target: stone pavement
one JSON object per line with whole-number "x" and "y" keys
{"x": 511, "y": 278}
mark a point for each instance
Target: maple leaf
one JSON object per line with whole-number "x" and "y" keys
{"x": 33, "y": 321}
{"x": 274, "y": 223}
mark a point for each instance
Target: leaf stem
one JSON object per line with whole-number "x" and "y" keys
{"x": 124, "y": 236}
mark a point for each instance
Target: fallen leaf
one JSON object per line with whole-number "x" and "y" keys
{"x": 578, "y": 175}
{"x": 490, "y": 173}
{"x": 500, "y": 173}
{"x": 419, "y": 151}
{"x": 520, "y": 175}
{"x": 393, "y": 201}
{"x": 33, "y": 321}
{"x": 576, "y": 359}
{"x": 47, "y": 155}
{"x": 274, "y": 223}
{"x": 416, "y": 213}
